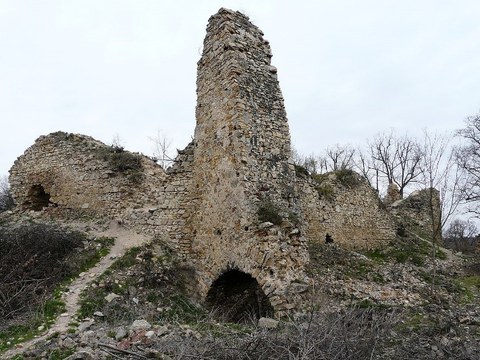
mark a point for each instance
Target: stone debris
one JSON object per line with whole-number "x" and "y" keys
{"x": 207, "y": 204}
{"x": 140, "y": 325}
{"x": 267, "y": 323}
{"x": 110, "y": 297}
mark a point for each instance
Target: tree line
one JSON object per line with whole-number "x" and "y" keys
{"x": 449, "y": 163}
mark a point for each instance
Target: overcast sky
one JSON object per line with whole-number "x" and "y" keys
{"x": 127, "y": 68}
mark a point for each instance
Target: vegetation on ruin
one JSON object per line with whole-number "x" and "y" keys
{"x": 145, "y": 279}
{"x": 268, "y": 211}
{"x": 123, "y": 162}
{"x": 6, "y": 199}
{"x": 37, "y": 261}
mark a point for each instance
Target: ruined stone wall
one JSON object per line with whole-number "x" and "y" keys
{"x": 347, "y": 208}
{"x": 420, "y": 213}
{"x": 83, "y": 175}
{"x": 242, "y": 149}
{"x": 75, "y": 172}
{"x": 208, "y": 204}
{"x": 166, "y": 213}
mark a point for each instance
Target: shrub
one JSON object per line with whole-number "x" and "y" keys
{"x": 268, "y": 211}
{"x": 349, "y": 334}
{"x": 123, "y": 162}
{"x": 347, "y": 177}
{"x": 324, "y": 187}
{"x": 34, "y": 260}
{"x": 6, "y": 199}
{"x": 301, "y": 171}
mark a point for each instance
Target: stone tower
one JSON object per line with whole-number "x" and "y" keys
{"x": 241, "y": 162}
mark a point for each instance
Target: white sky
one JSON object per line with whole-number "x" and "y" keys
{"x": 347, "y": 68}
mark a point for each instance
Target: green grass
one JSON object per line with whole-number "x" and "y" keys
{"x": 46, "y": 316}
{"x": 269, "y": 212}
{"x": 469, "y": 286}
{"x": 182, "y": 310}
{"x": 127, "y": 260}
{"x": 60, "y": 354}
{"x": 54, "y": 306}
{"x": 377, "y": 255}
{"x": 91, "y": 258}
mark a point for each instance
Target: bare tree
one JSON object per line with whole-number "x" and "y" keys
{"x": 461, "y": 235}
{"x": 396, "y": 158}
{"x": 442, "y": 178}
{"x": 6, "y": 199}
{"x": 338, "y": 157}
{"x": 162, "y": 149}
{"x": 363, "y": 164}
{"x": 468, "y": 158}
{"x": 117, "y": 142}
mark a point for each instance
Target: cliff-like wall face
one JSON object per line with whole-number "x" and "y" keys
{"x": 343, "y": 208}
{"x": 420, "y": 213}
{"x": 242, "y": 150}
{"x": 232, "y": 204}
{"x": 76, "y": 174}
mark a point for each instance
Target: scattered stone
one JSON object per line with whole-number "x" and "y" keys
{"x": 112, "y": 296}
{"x": 81, "y": 355}
{"x": 85, "y": 325}
{"x": 265, "y": 225}
{"x": 120, "y": 333}
{"x": 98, "y": 314}
{"x": 294, "y": 232}
{"x": 297, "y": 288}
{"x": 267, "y": 323}
{"x": 140, "y": 325}
{"x": 162, "y": 330}
{"x": 68, "y": 343}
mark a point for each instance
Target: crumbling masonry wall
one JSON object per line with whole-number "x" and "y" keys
{"x": 242, "y": 151}
{"x": 81, "y": 175}
{"x": 349, "y": 211}
{"x": 208, "y": 204}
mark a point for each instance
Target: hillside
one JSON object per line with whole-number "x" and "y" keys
{"x": 372, "y": 304}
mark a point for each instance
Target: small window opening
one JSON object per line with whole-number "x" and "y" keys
{"x": 237, "y": 297}
{"x": 37, "y": 198}
{"x": 328, "y": 239}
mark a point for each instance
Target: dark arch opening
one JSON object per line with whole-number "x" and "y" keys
{"x": 237, "y": 297}
{"x": 37, "y": 198}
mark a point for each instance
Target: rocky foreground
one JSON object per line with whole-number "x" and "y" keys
{"x": 373, "y": 305}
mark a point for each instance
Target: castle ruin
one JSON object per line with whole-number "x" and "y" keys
{"x": 233, "y": 204}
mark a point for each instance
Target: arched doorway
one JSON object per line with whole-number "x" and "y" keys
{"x": 237, "y": 297}
{"x": 37, "y": 198}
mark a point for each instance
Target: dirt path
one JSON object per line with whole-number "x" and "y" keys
{"x": 124, "y": 240}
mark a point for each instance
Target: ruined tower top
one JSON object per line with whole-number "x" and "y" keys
{"x": 242, "y": 152}
{"x": 240, "y": 106}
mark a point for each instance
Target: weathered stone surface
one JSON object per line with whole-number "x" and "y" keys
{"x": 421, "y": 212}
{"x": 207, "y": 205}
{"x": 267, "y": 323}
{"x": 351, "y": 213}
{"x": 110, "y": 297}
{"x": 140, "y": 325}
{"x": 120, "y": 333}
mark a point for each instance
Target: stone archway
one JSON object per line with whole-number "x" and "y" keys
{"x": 237, "y": 297}
{"x": 37, "y": 198}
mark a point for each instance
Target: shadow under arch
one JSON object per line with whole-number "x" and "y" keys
{"x": 37, "y": 198}
{"x": 236, "y": 296}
